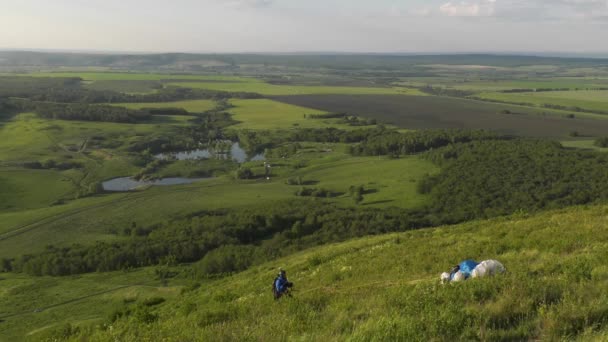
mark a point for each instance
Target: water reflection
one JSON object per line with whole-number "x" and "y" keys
{"x": 128, "y": 183}
{"x": 222, "y": 151}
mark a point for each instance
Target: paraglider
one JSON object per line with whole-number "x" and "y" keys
{"x": 471, "y": 269}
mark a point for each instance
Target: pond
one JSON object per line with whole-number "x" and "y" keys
{"x": 236, "y": 153}
{"x": 128, "y": 183}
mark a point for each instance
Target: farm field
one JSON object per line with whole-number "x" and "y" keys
{"x": 135, "y": 76}
{"x": 124, "y": 86}
{"x": 484, "y": 85}
{"x": 589, "y": 100}
{"x": 424, "y": 112}
{"x": 265, "y": 114}
{"x": 271, "y": 89}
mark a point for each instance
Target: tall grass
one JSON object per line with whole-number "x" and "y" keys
{"x": 386, "y": 288}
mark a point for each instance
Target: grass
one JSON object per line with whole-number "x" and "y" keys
{"x": 87, "y": 299}
{"x": 27, "y": 137}
{"x": 192, "y": 106}
{"x": 386, "y": 288}
{"x": 386, "y": 182}
{"x": 483, "y": 85}
{"x": 591, "y": 100}
{"x": 134, "y": 76}
{"x": 87, "y": 220}
{"x": 271, "y": 89}
{"x": 268, "y": 114}
{"x": 26, "y": 189}
{"x": 125, "y": 86}
{"x": 587, "y": 144}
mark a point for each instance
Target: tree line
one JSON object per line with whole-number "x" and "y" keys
{"x": 395, "y": 143}
{"x": 82, "y": 111}
{"x": 490, "y": 178}
{"x": 222, "y": 241}
{"x": 70, "y": 90}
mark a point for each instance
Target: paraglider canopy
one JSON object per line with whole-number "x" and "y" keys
{"x": 467, "y": 267}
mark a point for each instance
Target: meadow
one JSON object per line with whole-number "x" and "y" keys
{"x": 386, "y": 288}
{"x": 192, "y": 106}
{"x": 92, "y": 219}
{"x": 272, "y": 89}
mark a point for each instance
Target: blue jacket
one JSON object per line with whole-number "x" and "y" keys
{"x": 280, "y": 284}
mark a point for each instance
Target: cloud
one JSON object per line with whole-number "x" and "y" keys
{"x": 526, "y": 10}
{"x": 249, "y": 3}
{"x": 482, "y": 8}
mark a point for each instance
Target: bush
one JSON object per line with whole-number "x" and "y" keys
{"x": 601, "y": 142}
{"x": 244, "y": 173}
{"x": 226, "y": 259}
{"x": 152, "y": 301}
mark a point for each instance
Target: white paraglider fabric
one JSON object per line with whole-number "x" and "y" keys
{"x": 488, "y": 268}
{"x": 483, "y": 269}
{"x": 459, "y": 276}
{"x": 445, "y": 277}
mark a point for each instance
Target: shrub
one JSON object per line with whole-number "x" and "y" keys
{"x": 601, "y": 142}
{"x": 244, "y": 173}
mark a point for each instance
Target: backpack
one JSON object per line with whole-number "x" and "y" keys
{"x": 275, "y": 293}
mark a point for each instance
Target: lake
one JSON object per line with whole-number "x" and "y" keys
{"x": 235, "y": 153}
{"x": 129, "y": 184}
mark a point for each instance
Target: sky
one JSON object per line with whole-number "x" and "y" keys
{"x": 402, "y": 26}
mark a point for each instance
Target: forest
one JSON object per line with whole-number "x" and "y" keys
{"x": 70, "y": 90}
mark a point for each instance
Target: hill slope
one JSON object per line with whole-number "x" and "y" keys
{"x": 386, "y": 288}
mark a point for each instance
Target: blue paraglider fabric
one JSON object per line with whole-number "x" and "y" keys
{"x": 467, "y": 267}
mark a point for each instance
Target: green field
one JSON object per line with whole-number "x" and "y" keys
{"x": 26, "y": 189}
{"x": 27, "y": 137}
{"x": 271, "y": 89}
{"x": 586, "y": 144}
{"x": 484, "y": 85}
{"x": 134, "y": 76}
{"x": 388, "y": 182}
{"x": 386, "y": 288}
{"x": 93, "y": 297}
{"x": 268, "y": 114}
{"x": 591, "y": 100}
{"x": 192, "y": 106}
{"x": 91, "y": 219}
{"x": 129, "y": 87}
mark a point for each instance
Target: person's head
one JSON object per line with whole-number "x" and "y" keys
{"x": 282, "y": 272}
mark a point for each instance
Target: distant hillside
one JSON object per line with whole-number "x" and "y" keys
{"x": 201, "y": 62}
{"x": 386, "y": 288}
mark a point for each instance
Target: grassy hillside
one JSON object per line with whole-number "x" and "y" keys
{"x": 386, "y": 288}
